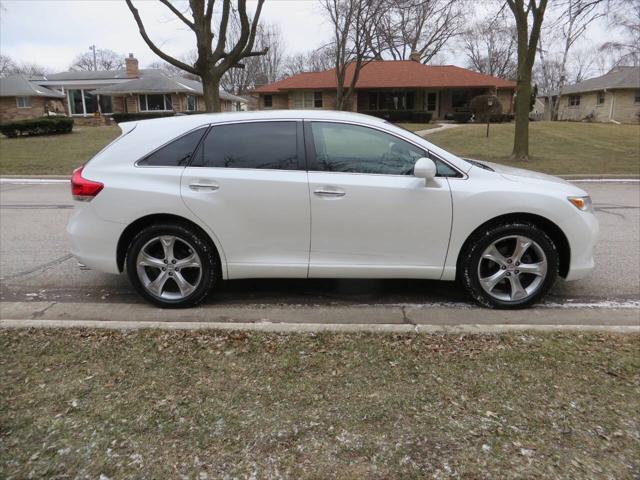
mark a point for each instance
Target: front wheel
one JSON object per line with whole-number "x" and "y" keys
{"x": 509, "y": 266}
{"x": 172, "y": 266}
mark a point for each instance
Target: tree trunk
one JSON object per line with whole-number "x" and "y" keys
{"x": 211, "y": 93}
{"x": 523, "y": 102}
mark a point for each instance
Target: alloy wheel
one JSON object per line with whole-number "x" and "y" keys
{"x": 169, "y": 267}
{"x": 512, "y": 268}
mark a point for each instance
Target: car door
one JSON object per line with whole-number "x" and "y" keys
{"x": 370, "y": 216}
{"x": 248, "y": 183}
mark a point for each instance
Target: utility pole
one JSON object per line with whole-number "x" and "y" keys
{"x": 95, "y": 63}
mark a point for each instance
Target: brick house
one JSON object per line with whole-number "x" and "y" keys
{"x": 21, "y": 97}
{"x": 390, "y": 85}
{"x": 92, "y": 96}
{"x": 614, "y": 96}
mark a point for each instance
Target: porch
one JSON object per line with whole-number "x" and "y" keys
{"x": 408, "y": 104}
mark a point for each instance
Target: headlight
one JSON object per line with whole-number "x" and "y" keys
{"x": 581, "y": 203}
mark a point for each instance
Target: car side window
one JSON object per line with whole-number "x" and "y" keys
{"x": 263, "y": 145}
{"x": 347, "y": 148}
{"x": 176, "y": 153}
{"x": 443, "y": 169}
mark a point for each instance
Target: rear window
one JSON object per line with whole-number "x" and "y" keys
{"x": 176, "y": 153}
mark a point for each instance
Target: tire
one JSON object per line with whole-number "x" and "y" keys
{"x": 498, "y": 270}
{"x": 172, "y": 265}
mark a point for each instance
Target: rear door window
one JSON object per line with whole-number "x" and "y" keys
{"x": 177, "y": 153}
{"x": 256, "y": 145}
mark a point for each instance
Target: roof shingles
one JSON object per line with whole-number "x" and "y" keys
{"x": 391, "y": 74}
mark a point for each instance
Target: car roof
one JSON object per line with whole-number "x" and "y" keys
{"x": 186, "y": 122}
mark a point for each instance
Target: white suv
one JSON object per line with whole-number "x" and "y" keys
{"x": 182, "y": 203}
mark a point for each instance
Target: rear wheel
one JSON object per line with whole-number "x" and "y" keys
{"x": 172, "y": 266}
{"x": 509, "y": 266}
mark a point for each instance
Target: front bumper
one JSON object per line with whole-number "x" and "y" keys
{"x": 94, "y": 241}
{"x": 582, "y": 234}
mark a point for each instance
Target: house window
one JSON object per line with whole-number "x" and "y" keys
{"x": 460, "y": 99}
{"x": 431, "y": 101}
{"x": 317, "y": 99}
{"x": 637, "y": 98}
{"x": 155, "y": 102}
{"x": 192, "y": 103}
{"x": 373, "y": 100}
{"x": 268, "y": 101}
{"x": 574, "y": 100}
{"x": 305, "y": 100}
{"x": 23, "y": 102}
{"x": 85, "y": 102}
{"x": 600, "y": 98}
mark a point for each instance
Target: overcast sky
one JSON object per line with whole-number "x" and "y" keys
{"x": 53, "y": 32}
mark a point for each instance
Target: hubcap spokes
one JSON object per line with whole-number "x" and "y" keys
{"x": 169, "y": 268}
{"x": 512, "y": 268}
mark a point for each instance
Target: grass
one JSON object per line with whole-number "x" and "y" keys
{"x": 555, "y": 147}
{"x": 152, "y": 404}
{"x": 53, "y": 154}
{"x": 415, "y": 127}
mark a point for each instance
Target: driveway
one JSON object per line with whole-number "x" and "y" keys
{"x": 39, "y": 279}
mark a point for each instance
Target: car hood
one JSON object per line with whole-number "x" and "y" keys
{"x": 522, "y": 175}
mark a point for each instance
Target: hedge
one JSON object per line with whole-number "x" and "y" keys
{"x": 37, "y": 126}
{"x": 401, "y": 115}
{"x": 130, "y": 117}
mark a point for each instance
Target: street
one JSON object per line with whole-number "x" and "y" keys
{"x": 36, "y": 269}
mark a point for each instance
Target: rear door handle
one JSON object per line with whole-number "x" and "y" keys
{"x": 204, "y": 187}
{"x": 329, "y": 192}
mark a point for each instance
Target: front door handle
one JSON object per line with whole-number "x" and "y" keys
{"x": 329, "y": 192}
{"x": 204, "y": 187}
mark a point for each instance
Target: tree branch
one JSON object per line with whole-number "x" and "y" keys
{"x": 178, "y": 13}
{"x": 153, "y": 47}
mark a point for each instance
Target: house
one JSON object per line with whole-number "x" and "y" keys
{"x": 611, "y": 97}
{"x": 390, "y": 85}
{"x": 21, "y": 97}
{"x": 92, "y": 96}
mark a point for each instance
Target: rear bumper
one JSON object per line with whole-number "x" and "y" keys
{"x": 94, "y": 241}
{"x": 582, "y": 235}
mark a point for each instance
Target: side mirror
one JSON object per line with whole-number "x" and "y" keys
{"x": 425, "y": 168}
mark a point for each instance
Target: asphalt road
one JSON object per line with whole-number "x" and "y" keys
{"x": 35, "y": 265}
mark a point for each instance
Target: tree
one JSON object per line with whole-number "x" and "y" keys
{"x": 7, "y": 65}
{"x": 211, "y": 62}
{"x": 627, "y": 49}
{"x": 527, "y": 46}
{"x": 420, "y": 26}
{"x": 105, "y": 60}
{"x": 573, "y": 18}
{"x": 490, "y": 46}
{"x": 317, "y": 60}
{"x": 353, "y": 23}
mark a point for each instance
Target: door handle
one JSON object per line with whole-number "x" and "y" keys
{"x": 329, "y": 192}
{"x": 203, "y": 187}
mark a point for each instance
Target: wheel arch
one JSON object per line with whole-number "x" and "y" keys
{"x": 133, "y": 228}
{"x": 550, "y": 228}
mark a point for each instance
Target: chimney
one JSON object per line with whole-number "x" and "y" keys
{"x": 132, "y": 66}
{"x": 415, "y": 56}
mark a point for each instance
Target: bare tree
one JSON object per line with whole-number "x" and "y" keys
{"x": 573, "y": 18}
{"x": 627, "y": 49}
{"x": 353, "y": 23}
{"x": 422, "y": 26}
{"x": 317, "y": 60}
{"x": 527, "y": 46}
{"x": 212, "y": 62}
{"x": 105, "y": 60}
{"x": 7, "y": 65}
{"x": 490, "y": 47}
{"x": 258, "y": 70}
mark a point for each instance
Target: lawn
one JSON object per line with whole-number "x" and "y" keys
{"x": 555, "y": 147}
{"x": 53, "y": 154}
{"x": 153, "y": 404}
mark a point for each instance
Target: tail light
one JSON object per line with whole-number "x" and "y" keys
{"x": 82, "y": 189}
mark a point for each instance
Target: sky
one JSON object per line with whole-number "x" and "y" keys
{"x": 53, "y": 32}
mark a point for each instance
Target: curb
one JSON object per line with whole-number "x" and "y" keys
{"x": 313, "y": 328}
